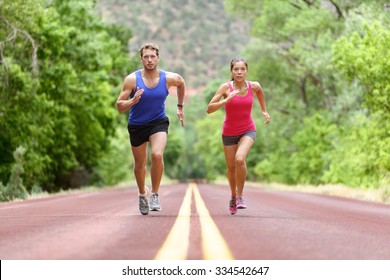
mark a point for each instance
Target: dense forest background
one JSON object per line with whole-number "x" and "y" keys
{"x": 196, "y": 37}
{"x": 324, "y": 67}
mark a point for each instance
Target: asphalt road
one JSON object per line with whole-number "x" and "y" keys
{"x": 194, "y": 224}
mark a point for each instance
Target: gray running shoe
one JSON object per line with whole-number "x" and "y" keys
{"x": 143, "y": 202}
{"x": 155, "y": 202}
{"x": 241, "y": 204}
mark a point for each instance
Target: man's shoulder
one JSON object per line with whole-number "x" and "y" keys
{"x": 131, "y": 80}
{"x": 167, "y": 73}
{"x": 132, "y": 75}
{"x": 172, "y": 75}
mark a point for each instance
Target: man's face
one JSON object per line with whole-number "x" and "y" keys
{"x": 149, "y": 59}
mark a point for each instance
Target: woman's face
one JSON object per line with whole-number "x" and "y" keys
{"x": 239, "y": 71}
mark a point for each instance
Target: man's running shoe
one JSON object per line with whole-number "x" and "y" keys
{"x": 155, "y": 202}
{"x": 143, "y": 202}
{"x": 232, "y": 206}
{"x": 241, "y": 204}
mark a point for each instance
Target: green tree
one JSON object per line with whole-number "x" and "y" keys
{"x": 311, "y": 104}
{"x": 15, "y": 188}
{"x": 362, "y": 158}
{"x": 62, "y": 68}
{"x": 366, "y": 60}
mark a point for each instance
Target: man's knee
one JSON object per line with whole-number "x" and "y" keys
{"x": 157, "y": 156}
{"x": 139, "y": 164}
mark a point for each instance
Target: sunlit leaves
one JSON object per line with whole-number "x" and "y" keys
{"x": 365, "y": 58}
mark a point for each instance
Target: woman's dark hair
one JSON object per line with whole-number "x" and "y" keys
{"x": 238, "y": 59}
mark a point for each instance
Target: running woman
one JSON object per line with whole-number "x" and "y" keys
{"x": 239, "y": 130}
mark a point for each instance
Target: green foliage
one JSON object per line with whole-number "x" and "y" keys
{"x": 312, "y": 143}
{"x": 209, "y": 146}
{"x": 272, "y": 150}
{"x": 15, "y": 188}
{"x": 115, "y": 164}
{"x": 301, "y": 52}
{"x": 361, "y": 154}
{"x": 172, "y": 155}
{"x": 366, "y": 58}
{"x": 62, "y": 69}
{"x": 182, "y": 161}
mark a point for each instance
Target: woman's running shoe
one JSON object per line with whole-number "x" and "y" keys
{"x": 233, "y": 206}
{"x": 241, "y": 204}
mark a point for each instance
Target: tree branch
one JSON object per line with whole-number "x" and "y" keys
{"x": 12, "y": 36}
{"x": 34, "y": 63}
{"x": 296, "y": 6}
{"x": 4, "y": 63}
{"x": 314, "y": 80}
{"x": 302, "y": 88}
{"x": 283, "y": 111}
{"x": 339, "y": 12}
{"x": 308, "y": 2}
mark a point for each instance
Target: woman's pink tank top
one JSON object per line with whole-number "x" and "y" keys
{"x": 238, "y": 118}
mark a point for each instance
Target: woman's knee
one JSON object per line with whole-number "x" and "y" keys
{"x": 240, "y": 160}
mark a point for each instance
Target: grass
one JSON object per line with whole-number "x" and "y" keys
{"x": 381, "y": 195}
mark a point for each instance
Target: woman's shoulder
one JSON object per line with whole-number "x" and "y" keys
{"x": 227, "y": 85}
{"x": 255, "y": 85}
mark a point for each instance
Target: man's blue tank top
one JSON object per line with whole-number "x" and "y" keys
{"x": 151, "y": 106}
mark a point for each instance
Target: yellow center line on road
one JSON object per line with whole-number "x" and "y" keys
{"x": 176, "y": 244}
{"x": 213, "y": 244}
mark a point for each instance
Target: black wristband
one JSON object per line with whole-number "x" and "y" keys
{"x": 179, "y": 105}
